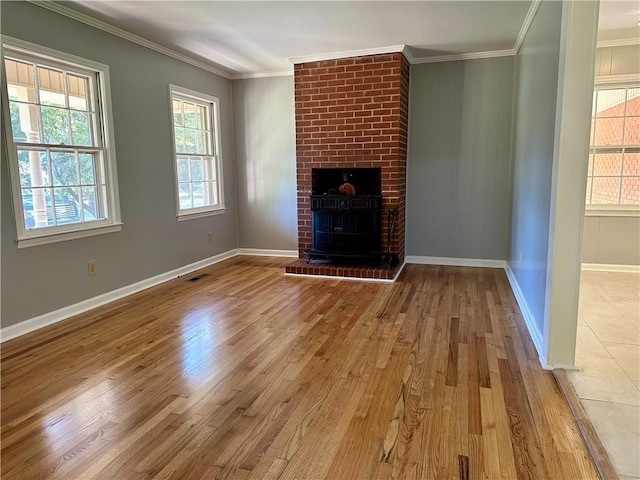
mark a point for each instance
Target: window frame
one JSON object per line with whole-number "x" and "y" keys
{"x": 212, "y": 103}
{"x": 20, "y": 49}
{"x": 603, "y": 83}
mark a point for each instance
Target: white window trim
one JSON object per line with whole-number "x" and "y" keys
{"x": 42, "y": 236}
{"x": 215, "y": 123}
{"x": 628, "y": 80}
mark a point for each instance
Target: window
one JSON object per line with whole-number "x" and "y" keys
{"x": 613, "y": 180}
{"x": 196, "y": 154}
{"x": 61, "y": 154}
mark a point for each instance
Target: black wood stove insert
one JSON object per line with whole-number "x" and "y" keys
{"x": 346, "y": 215}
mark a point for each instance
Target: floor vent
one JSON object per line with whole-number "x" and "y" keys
{"x": 198, "y": 277}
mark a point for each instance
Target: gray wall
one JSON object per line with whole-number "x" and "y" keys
{"x": 459, "y": 163}
{"x": 263, "y": 111}
{"x": 613, "y": 240}
{"x": 40, "y": 279}
{"x": 534, "y": 124}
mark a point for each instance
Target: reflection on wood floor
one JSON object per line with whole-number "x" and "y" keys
{"x": 247, "y": 373}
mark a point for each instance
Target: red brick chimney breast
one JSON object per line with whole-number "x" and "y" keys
{"x": 353, "y": 112}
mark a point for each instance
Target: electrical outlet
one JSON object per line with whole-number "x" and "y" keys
{"x": 91, "y": 267}
{"x": 210, "y": 237}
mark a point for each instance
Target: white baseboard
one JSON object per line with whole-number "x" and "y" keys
{"x": 456, "y": 262}
{"x": 529, "y": 318}
{"x": 35, "y": 323}
{"x": 260, "y": 252}
{"x": 604, "y": 267}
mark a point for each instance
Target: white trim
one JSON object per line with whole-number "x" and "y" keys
{"x": 261, "y": 252}
{"x": 597, "y": 212}
{"x": 358, "y": 279}
{"x": 93, "y": 22}
{"x": 13, "y": 331}
{"x": 606, "y": 267}
{"x": 348, "y": 54}
{"x": 244, "y": 76}
{"x": 528, "y": 20}
{"x": 616, "y": 79}
{"x": 527, "y": 315}
{"x": 192, "y": 216}
{"x": 456, "y": 262}
{"x": 63, "y": 237}
{"x": 621, "y": 42}
{"x": 463, "y": 56}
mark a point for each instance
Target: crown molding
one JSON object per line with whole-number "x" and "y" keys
{"x": 99, "y": 24}
{"x": 244, "y": 76}
{"x": 621, "y": 42}
{"x": 463, "y": 56}
{"x": 528, "y": 20}
{"x": 349, "y": 53}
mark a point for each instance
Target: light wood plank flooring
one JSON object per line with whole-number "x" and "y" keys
{"x": 249, "y": 374}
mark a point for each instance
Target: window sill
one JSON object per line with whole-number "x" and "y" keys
{"x": 191, "y": 216}
{"x": 603, "y": 212}
{"x": 71, "y": 235}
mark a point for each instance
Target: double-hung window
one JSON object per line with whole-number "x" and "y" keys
{"x": 61, "y": 151}
{"x": 196, "y": 153}
{"x": 613, "y": 181}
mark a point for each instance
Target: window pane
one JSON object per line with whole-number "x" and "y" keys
{"x": 607, "y": 164}
{"x": 90, "y": 204}
{"x": 179, "y": 138}
{"x": 632, "y": 131}
{"x": 24, "y": 122}
{"x": 80, "y": 129}
{"x": 190, "y": 115}
{"x": 64, "y": 168}
{"x": 611, "y": 102}
{"x": 55, "y": 125}
{"x": 78, "y": 92}
{"x": 191, "y": 141}
{"x": 198, "y": 194}
{"x": 631, "y": 164}
{"x": 51, "y": 87}
{"x": 33, "y": 168}
{"x": 20, "y": 81}
{"x": 177, "y": 113}
{"x": 66, "y": 205}
{"x": 633, "y": 101}
{"x": 197, "y": 170}
{"x": 605, "y": 191}
{"x": 183, "y": 169}
{"x": 592, "y": 132}
{"x": 608, "y": 131}
{"x": 184, "y": 193}
{"x": 87, "y": 172}
{"x": 202, "y": 117}
{"x": 630, "y": 191}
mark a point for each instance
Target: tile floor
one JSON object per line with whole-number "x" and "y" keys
{"x": 608, "y": 358}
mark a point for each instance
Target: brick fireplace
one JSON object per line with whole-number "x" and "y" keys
{"x": 353, "y": 113}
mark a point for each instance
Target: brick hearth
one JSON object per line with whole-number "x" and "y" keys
{"x": 316, "y": 267}
{"x": 350, "y": 113}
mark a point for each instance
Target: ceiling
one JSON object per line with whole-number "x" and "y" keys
{"x": 253, "y": 38}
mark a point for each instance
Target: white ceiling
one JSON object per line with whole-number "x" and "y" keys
{"x": 246, "y": 38}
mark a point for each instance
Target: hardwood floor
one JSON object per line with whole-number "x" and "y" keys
{"x": 248, "y": 374}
